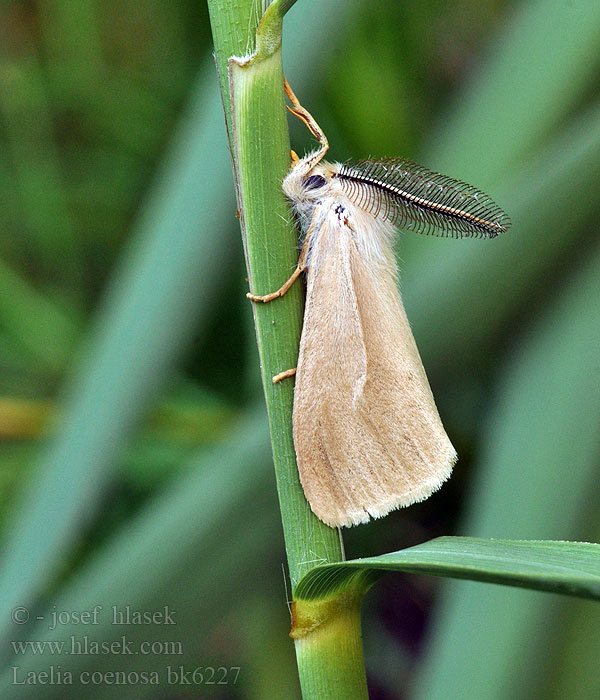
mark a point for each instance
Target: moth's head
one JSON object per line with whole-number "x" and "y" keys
{"x": 307, "y": 184}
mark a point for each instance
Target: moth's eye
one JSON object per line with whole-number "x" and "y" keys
{"x": 314, "y": 182}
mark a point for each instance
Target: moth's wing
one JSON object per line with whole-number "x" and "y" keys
{"x": 367, "y": 433}
{"x": 331, "y": 365}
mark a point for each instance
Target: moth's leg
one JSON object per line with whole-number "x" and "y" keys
{"x": 284, "y": 375}
{"x": 297, "y": 272}
{"x": 305, "y": 116}
{"x": 278, "y": 293}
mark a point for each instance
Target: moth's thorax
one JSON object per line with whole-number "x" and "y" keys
{"x": 307, "y": 185}
{"x": 321, "y": 199}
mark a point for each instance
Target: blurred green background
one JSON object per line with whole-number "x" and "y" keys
{"x": 135, "y": 463}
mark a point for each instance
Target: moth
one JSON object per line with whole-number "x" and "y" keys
{"x": 367, "y": 433}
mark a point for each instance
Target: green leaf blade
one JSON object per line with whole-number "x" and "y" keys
{"x": 570, "y": 568}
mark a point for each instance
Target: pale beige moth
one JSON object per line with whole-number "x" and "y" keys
{"x": 367, "y": 433}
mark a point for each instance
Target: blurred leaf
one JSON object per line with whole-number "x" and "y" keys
{"x": 521, "y": 91}
{"x": 167, "y": 280}
{"x": 467, "y": 292}
{"x": 39, "y": 180}
{"x": 189, "y": 532}
{"x": 44, "y": 330}
{"x": 22, "y": 418}
{"x": 535, "y": 479}
{"x": 571, "y": 671}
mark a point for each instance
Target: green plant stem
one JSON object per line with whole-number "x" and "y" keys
{"x": 329, "y": 650}
{"x": 329, "y": 646}
{"x": 261, "y": 153}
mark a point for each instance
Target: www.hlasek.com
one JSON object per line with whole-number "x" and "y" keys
{"x": 84, "y": 646}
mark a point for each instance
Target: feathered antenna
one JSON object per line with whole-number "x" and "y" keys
{"x": 415, "y": 198}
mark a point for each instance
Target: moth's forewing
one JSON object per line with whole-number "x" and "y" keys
{"x": 367, "y": 433}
